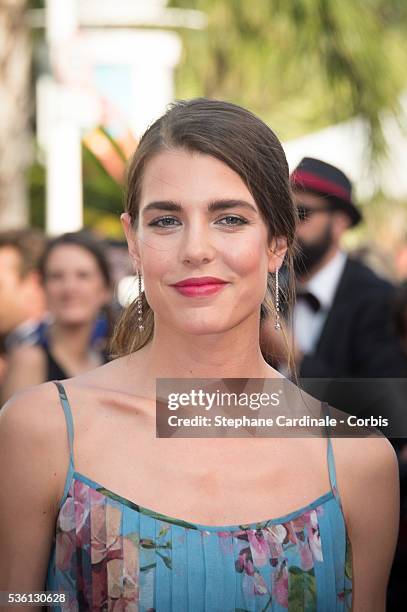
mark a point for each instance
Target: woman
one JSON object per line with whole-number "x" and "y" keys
{"x": 76, "y": 278}
{"x": 126, "y": 520}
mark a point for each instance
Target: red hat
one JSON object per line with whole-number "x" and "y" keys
{"x": 328, "y": 181}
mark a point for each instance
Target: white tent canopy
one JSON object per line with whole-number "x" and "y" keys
{"x": 346, "y": 146}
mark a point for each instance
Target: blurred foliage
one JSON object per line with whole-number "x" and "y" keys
{"x": 382, "y": 236}
{"x": 300, "y": 65}
{"x": 36, "y": 194}
{"x": 103, "y": 197}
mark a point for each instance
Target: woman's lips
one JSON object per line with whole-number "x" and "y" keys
{"x": 200, "y": 290}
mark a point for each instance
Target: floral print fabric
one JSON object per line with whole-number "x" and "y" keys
{"x": 111, "y": 554}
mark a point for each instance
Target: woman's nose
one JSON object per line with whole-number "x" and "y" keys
{"x": 197, "y": 245}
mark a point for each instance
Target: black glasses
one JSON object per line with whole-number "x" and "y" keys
{"x": 305, "y": 212}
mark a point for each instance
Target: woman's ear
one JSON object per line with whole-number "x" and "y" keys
{"x": 131, "y": 238}
{"x": 276, "y": 252}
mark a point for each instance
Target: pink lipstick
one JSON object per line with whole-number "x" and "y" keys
{"x": 199, "y": 286}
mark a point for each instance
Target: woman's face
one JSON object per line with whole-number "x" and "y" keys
{"x": 74, "y": 285}
{"x": 198, "y": 219}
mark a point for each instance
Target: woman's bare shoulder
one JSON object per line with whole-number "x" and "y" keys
{"x": 34, "y": 450}
{"x": 368, "y": 484}
{"x": 367, "y": 474}
{"x": 33, "y": 412}
{"x": 364, "y": 456}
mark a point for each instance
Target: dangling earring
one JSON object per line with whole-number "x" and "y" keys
{"x": 140, "y": 306}
{"x": 277, "y": 324}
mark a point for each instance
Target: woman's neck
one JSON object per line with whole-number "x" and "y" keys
{"x": 232, "y": 354}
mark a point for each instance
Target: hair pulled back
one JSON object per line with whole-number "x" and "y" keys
{"x": 248, "y": 146}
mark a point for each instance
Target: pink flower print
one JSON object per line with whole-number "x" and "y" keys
{"x": 296, "y": 528}
{"x": 280, "y": 585}
{"x": 297, "y": 537}
{"x": 131, "y": 567}
{"x": 248, "y": 585}
{"x": 82, "y": 504}
{"x": 66, "y": 518}
{"x": 248, "y": 567}
{"x": 307, "y": 561}
{"x": 114, "y": 578}
{"x": 71, "y": 605}
{"x": 121, "y": 605}
{"x": 82, "y": 516}
{"x": 275, "y": 536}
{"x": 276, "y": 533}
{"x": 99, "y": 586}
{"x": 98, "y": 535}
{"x": 260, "y": 587}
{"x": 244, "y": 563}
{"x": 259, "y": 548}
{"x": 299, "y": 523}
{"x": 314, "y": 537}
{"x": 130, "y": 575}
{"x": 105, "y": 537}
{"x": 113, "y": 522}
{"x": 65, "y": 550}
{"x": 319, "y": 510}
{"x": 226, "y": 542}
{"x": 254, "y": 585}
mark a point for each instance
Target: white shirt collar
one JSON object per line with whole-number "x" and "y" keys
{"x": 324, "y": 283}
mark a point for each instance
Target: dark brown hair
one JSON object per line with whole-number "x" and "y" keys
{"x": 85, "y": 240}
{"x": 29, "y": 243}
{"x": 243, "y": 142}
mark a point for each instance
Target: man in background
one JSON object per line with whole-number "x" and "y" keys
{"x": 343, "y": 325}
{"x": 22, "y": 300}
{"x": 342, "y": 321}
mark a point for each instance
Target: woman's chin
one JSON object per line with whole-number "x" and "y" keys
{"x": 202, "y": 328}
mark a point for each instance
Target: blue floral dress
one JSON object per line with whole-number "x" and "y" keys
{"x": 112, "y": 554}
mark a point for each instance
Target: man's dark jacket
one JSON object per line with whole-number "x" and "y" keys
{"x": 357, "y": 339}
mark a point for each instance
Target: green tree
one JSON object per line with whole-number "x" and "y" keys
{"x": 300, "y": 65}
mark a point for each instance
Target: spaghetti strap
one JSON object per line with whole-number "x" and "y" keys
{"x": 68, "y": 417}
{"x": 330, "y": 457}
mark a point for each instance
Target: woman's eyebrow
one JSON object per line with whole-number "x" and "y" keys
{"x": 216, "y": 205}
{"x": 226, "y": 204}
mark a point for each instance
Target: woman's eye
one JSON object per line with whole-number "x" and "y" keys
{"x": 229, "y": 220}
{"x": 232, "y": 220}
{"x": 164, "y": 222}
